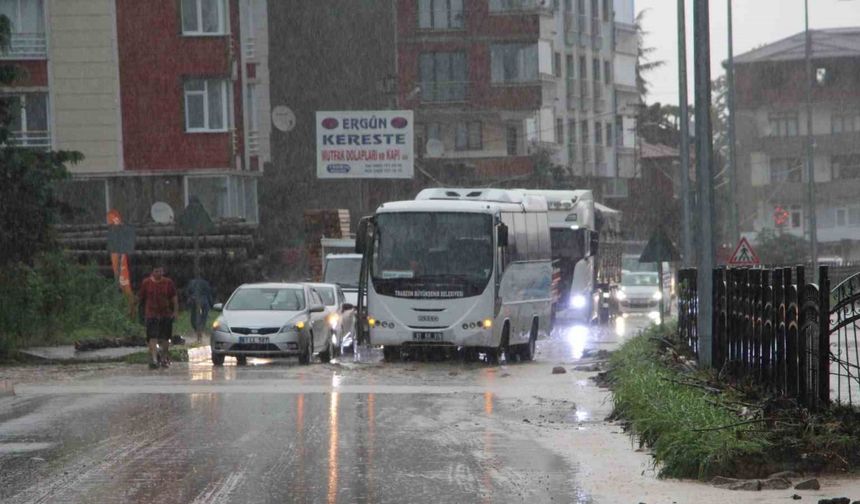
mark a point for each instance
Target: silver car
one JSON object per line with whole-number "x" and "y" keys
{"x": 271, "y": 320}
{"x": 340, "y": 315}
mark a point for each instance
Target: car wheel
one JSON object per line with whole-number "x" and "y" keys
{"x": 391, "y": 353}
{"x": 328, "y": 354}
{"x": 527, "y": 351}
{"x": 217, "y": 359}
{"x": 494, "y": 354}
{"x": 305, "y": 356}
{"x": 242, "y": 360}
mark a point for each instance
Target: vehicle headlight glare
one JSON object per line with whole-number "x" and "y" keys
{"x": 371, "y": 322}
{"x": 578, "y": 301}
{"x": 220, "y": 325}
{"x": 620, "y": 295}
{"x": 658, "y": 296}
{"x": 488, "y": 324}
{"x": 333, "y": 320}
{"x": 300, "y": 325}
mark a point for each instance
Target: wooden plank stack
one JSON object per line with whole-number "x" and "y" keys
{"x": 319, "y": 224}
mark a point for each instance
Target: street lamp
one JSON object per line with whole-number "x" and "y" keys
{"x": 810, "y": 148}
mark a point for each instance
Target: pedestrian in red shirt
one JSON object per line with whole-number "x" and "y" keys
{"x": 161, "y": 307}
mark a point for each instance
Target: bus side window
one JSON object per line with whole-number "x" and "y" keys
{"x": 520, "y": 230}
{"x": 533, "y": 229}
{"x": 510, "y": 253}
{"x": 543, "y": 235}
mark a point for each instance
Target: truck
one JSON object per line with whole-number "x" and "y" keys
{"x": 464, "y": 269}
{"x": 586, "y": 254}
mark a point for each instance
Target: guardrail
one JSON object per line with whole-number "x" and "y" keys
{"x": 26, "y": 46}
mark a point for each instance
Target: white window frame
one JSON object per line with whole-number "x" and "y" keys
{"x": 225, "y": 99}
{"x": 27, "y": 137}
{"x": 223, "y": 20}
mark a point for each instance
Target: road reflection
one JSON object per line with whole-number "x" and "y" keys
{"x": 332, "y": 448}
{"x": 577, "y": 338}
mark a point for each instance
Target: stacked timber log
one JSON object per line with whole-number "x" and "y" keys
{"x": 319, "y": 224}
{"x": 229, "y": 254}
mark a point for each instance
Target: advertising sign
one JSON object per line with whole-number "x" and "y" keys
{"x": 365, "y": 144}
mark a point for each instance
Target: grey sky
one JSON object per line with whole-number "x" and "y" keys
{"x": 757, "y": 22}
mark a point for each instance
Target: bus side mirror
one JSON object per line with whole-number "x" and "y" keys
{"x": 502, "y": 232}
{"x": 361, "y": 236}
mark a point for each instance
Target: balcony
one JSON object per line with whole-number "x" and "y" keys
{"x": 30, "y": 139}
{"x": 27, "y": 46}
{"x": 521, "y": 6}
{"x": 253, "y": 142}
{"x": 444, "y": 92}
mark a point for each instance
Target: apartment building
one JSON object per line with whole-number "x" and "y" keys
{"x": 771, "y": 121}
{"x": 166, "y": 100}
{"x": 499, "y": 84}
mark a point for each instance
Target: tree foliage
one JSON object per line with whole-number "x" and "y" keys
{"x": 781, "y": 249}
{"x": 644, "y": 63}
{"x": 28, "y": 204}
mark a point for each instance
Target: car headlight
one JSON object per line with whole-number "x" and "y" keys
{"x": 221, "y": 326}
{"x": 658, "y": 296}
{"x": 620, "y": 295}
{"x": 293, "y": 326}
{"x": 333, "y": 320}
{"x": 578, "y": 301}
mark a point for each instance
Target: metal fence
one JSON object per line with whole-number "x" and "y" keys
{"x": 777, "y": 327}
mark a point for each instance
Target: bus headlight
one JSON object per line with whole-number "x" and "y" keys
{"x": 487, "y": 324}
{"x": 371, "y": 321}
{"x": 578, "y": 301}
{"x": 620, "y": 295}
{"x": 658, "y": 296}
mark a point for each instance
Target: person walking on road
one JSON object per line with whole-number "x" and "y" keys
{"x": 161, "y": 307}
{"x": 200, "y": 298}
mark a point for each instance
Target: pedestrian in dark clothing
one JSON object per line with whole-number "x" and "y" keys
{"x": 200, "y": 298}
{"x": 160, "y": 303}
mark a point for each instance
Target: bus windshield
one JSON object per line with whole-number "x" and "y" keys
{"x": 567, "y": 243}
{"x": 433, "y": 254}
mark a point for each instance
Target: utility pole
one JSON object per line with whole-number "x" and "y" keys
{"x": 683, "y": 101}
{"x": 704, "y": 175}
{"x": 812, "y": 220}
{"x": 732, "y": 172}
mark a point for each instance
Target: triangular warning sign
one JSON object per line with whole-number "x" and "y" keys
{"x": 744, "y": 255}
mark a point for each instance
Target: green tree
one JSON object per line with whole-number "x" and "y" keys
{"x": 644, "y": 64}
{"x": 781, "y": 249}
{"x": 28, "y": 204}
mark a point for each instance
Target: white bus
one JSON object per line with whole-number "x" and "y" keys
{"x": 583, "y": 245}
{"x": 458, "y": 268}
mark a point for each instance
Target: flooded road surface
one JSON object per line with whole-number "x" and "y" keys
{"x": 361, "y": 431}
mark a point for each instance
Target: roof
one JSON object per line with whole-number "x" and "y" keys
{"x": 272, "y": 285}
{"x": 658, "y": 151}
{"x": 486, "y": 207}
{"x": 827, "y": 43}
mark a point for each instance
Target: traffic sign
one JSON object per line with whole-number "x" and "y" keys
{"x": 744, "y": 255}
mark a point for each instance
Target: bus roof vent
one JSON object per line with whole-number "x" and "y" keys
{"x": 490, "y": 195}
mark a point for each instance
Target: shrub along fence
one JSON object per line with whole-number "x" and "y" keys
{"x": 778, "y": 328}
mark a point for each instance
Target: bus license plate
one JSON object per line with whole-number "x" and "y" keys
{"x": 427, "y": 336}
{"x": 254, "y": 339}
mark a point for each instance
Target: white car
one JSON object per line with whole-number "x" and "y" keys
{"x": 639, "y": 292}
{"x": 271, "y": 320}
{"x": 344, "y": 270}
{"x": 340, "y": 315}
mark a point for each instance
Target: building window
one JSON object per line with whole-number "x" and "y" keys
{"x": 607, "y": 10}
{"x": 568, "y": 6}
{"x": 616, "y": 188}
{"x": 595, "y": 9}
{"x": 440, "y": 14}
{"x": 845, "y": 167}
{"x": 598, "y": 134}
{"x": 252, "y": 104}
{"x": 796, "y": 217}
{"x": 784, "y": 125}
{"x": 607, "y": 71}
{"x": 514, "y": 62}
{"x": 203, "y": 17}
{"x": 609, "y": 139}
{"x": 29, "y": 120}
{"x": 443, "y": 76}
{"x": 556, "y": 64}
{"x": 512, "y": 139}
{"x": 469, "y": 136}
{"x": 206, "y": 105}
{"x": 559, "y": 131}
{"x": 515, "y": 5}
{"x": 845, "y": 122}
{"x": 784, "y": 170}
{"x": 571, "y": 71}
{"x": 225, "y": 197}
{"x": 595, "y": 69}
{"x": 27, "y": 27}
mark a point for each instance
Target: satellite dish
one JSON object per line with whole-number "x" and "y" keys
{"x": 161, "y": 213}
{"x": 283, "y": 118}
{"x": 435, "y": 148}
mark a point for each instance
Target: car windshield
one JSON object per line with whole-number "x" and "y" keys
{"x": 434, "y": 247}
{"x": 327, "y": 295}
{"x": 343, "y": 271}
{"x": 639, "y": 280}
{"x": 267, "y": 299}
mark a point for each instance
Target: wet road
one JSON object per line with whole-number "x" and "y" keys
{"x": 362, "y": 431}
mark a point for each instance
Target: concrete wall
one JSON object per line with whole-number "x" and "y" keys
{"x": 84, "y": 81}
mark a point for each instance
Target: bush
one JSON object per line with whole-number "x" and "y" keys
{"x": 48, "y": 301}
{"x": 687, "y": 428}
